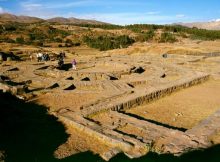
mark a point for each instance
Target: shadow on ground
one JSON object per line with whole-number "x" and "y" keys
{"x": 66, "y": 67}
{"x": 29, "y": 134}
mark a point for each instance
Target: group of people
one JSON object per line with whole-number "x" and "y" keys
{"x": 43, "y": 57}
{"x": 60, "y": 58}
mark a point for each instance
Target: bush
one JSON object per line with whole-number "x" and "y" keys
{"x": 32, "y": 37}
{"x": 102, "y": 26}
{"x": 10, "y": 27}
{"x": 146, "y": 36}
{"x": 167, "y": 38}
{"x": 59, "y": 40}
{"x": 104, "y": 43}
{"x": 20, "y": 40}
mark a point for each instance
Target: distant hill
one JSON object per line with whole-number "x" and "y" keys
{"x": 212, "y": 25}
{"x": 73, "y": 20}
{"x": 6, "y": 17}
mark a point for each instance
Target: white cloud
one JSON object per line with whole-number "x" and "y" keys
{"x": 70, "y": 4}
{"x": 153, "y": 13}
{"x": 77, "y": 3}
{"x": 215, "y": 20}
{"x": 57, "y": 9}
{"x": 2, "y": 10}
{"x": 128, "y": 18}
{"x": 180, "y": 15}
{"x": 28, "y": 6}
{"x": 114, "y": 18}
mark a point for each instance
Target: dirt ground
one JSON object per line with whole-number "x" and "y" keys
{"x": 105, "y": 79}
{"x": 183, "y": 109}
{"x": 80, "y": 142}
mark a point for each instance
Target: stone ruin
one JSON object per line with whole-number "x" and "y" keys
{"x": 114, "y": 85}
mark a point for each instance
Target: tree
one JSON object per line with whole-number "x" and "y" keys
{"x": 20, "y": 40}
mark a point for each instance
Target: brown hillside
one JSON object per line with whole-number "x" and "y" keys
{"x": 213, "y": 25}
{"x": 21, "y": 19}
{"x": 6, "y": 17}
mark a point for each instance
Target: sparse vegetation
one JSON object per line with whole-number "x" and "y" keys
{"x": 181, "y": 31}
{"x": 20, "y": 40}
{"x": 106, "y": 43}
{"x": 40, "y": 33}
{"x": 167, "y": 38}
{"x": 104, "y": 26}
{"x": 146, "y": 36}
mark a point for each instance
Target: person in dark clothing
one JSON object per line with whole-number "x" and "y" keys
{"x": 74, "y": 64}
{"x": 60, "y": 62}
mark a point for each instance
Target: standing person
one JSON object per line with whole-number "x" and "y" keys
{"x": 43, "y": 57}
{"x": 60, "y": 62}
{"x": 31, "y": 56}
{"x": 39, "y": 57}
{"x": 63, "y": 54}
{"x": 47, "y": 57}
{"x": 74, "y": 64}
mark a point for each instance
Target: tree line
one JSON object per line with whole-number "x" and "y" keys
{"x": 104, "y": 43}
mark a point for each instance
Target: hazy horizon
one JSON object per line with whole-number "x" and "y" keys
{"x": 117, "y": 12}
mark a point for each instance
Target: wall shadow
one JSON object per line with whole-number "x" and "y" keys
{"x": 29, "y": 134}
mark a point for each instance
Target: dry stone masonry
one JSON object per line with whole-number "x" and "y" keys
{"x": 93, "y": 99}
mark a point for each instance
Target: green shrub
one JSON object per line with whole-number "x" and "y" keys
{"x": 106, "y": 43}
{"x": 167, "y": 38}
{"x": 20, "y": 40}
{"x": 58, "y": 40}
{"x": 146, "y": 36}
{"x": 10, "y": 27}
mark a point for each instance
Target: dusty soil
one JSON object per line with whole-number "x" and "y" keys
{"x": 106, "y": 79}
{"x": 183, "y": 109}
{"x": 73, "y": 101}
{"x": 78, "y": 142}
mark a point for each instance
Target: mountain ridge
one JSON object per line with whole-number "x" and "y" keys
{"x": 211, "y": 25}
{"x": 7, "y": 17}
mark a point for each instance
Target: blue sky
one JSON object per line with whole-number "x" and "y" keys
{"x": 118, "y": 11}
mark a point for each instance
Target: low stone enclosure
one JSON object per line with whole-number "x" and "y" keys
{"x": 95, "y": 100}
{"x": 157, "y": 138}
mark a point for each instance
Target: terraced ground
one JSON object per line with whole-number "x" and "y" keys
{"x": 125, "y": 103}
